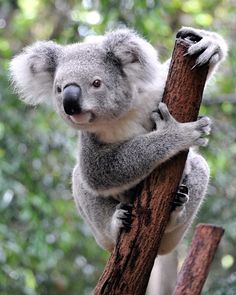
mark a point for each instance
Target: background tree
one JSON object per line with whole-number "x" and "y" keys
{"x": 44, "y": 246}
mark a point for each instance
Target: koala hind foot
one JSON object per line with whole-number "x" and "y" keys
{"x": 177, "y": 217}
{"x": 180, "y": 198}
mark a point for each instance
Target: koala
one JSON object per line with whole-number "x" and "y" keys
{"x": 110, "y": 90}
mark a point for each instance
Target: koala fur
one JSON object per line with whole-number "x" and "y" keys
{"x": 110, "y": 89}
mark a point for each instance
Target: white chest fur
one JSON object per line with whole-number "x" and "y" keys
{"x": 134, "y": 122}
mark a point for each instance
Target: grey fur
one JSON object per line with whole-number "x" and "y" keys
{"x": 117, "y": 144}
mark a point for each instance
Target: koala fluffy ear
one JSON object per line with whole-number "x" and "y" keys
{"x": 134, "y": 54}
{"x": 32, "y": 71}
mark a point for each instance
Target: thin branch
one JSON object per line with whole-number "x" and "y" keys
{"x": 196, "y": 266}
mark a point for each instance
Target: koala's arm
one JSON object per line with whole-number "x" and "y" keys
{"x": 113, "y": 168}
{"x": 105, "y": 216}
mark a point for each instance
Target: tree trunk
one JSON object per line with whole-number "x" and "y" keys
{"x": 128, "y": 268}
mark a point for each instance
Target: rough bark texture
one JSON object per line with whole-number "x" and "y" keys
{"x": 128, "y": 268}
{"x": 197, "y": 263}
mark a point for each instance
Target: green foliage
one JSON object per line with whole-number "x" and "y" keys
{"x": 44, "y": 246}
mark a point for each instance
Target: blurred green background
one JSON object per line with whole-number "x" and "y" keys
{"x": 44, "y": 246}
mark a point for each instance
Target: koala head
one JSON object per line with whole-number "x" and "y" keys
{"x": 91, "y": 83}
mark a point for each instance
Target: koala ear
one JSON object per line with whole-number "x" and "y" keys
{"x": 32, "y": 71}
{"x": 134, "y": 54}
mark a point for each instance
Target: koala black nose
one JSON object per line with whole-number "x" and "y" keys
{"x": 71, "y": 99}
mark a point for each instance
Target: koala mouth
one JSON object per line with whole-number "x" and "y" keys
{"x": 82, "y": 118}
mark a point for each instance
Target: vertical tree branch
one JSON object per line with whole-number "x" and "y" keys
{"x": 196, "y": 266}
{"x": 128, "y": 269}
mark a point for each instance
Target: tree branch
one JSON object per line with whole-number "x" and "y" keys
{"x": 128, "y": 269}
{"x": 196, "y": 266}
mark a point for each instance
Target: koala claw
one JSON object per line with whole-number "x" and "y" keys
{"x": 180, "y": 197}
{"x": 124, "y": 215}
{"x": 188, "y": 34}
{"x": 209, "y": 47}
{"x": 178, "y": 214}
{"x": 121, "y": 219}
{"x": 209, "y": 52}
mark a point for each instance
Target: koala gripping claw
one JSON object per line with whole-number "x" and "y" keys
{"x": 178, "y": 214}
{"x": 125, "y": 215}
{"x": 180, "y": 197}
{"x": 209, "y": 47}
{"x": 121, "y": 219}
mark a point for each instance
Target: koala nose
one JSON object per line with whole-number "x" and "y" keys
{"x": 71, "y": 99}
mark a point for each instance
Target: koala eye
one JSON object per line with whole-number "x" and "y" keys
{"x": 58, "y": 89}
{"x": 97, "y": 83}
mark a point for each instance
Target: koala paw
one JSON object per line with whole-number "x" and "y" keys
{"x": 190, "y": 34}
{"x": 202, "y": 128}
{"x": 122, "y": 218}
{"x": 177, "y": 217}
{"x": 124, "y": 214}
{"x": 180, "y": 198}
{"x": 193, "y": 133}
{"x": 209, "y": 46}
{"x": 186, "y": 134}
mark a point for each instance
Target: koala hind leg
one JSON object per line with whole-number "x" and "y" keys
{"x": 195, "y": 178}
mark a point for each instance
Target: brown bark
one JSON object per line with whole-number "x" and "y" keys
{"x": 197, "y": 263}
{"x": 128, "y": 269}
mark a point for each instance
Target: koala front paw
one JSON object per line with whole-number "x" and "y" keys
{"x": 177, "y": 217}
{"x": 209, "y": 46}
{"x": 202, "y": 128}
{"x": 193, "y": 133}
{"x": 122, "y": 218}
